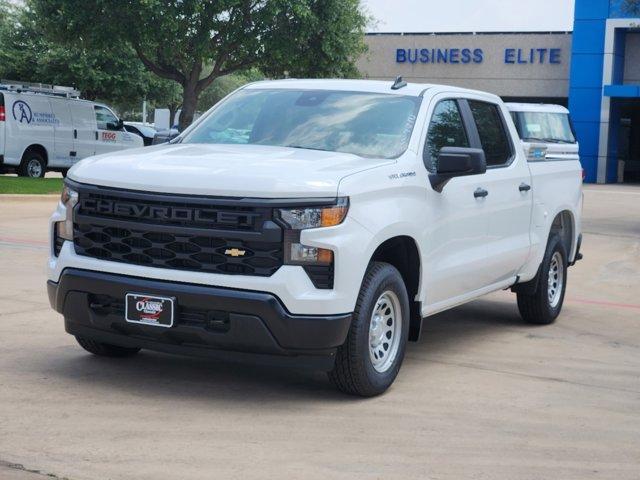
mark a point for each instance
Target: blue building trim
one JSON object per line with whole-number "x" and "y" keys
{"x": 622, "y": 91}
{"x": 596, "y": 85}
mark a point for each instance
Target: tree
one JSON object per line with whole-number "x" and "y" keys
{"x": 194, "y": 42}
{"x": 27, "y": 55}
{"x": 223, "y": 86}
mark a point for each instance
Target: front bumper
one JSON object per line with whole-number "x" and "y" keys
{"x": 209, "y": 321}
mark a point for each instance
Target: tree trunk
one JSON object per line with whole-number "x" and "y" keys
{"x": 189, "y": 104}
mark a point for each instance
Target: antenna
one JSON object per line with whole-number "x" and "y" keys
{"x": 398, "y": 84}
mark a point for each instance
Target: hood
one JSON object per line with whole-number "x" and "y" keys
{"x": 224, "y": 170}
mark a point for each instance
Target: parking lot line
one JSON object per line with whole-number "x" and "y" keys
{"x": 603, "y": 303}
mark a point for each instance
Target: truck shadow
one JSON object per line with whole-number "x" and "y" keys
{"x": 175, "y": 378}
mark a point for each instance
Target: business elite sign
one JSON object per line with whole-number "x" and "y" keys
{"x": 516, "y": 56}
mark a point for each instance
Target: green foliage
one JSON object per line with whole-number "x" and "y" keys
{"x": 193, "y": 42}
{"x": 112, "y": 74}
{"x": 223, "y": 86}
{"x": 27, "y": 55}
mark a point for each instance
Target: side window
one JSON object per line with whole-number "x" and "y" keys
{"x": 493, "y": 137}
{"x": 445, "y": 130}
{"x": 104, "y": 117}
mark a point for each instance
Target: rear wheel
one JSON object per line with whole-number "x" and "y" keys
{"x": 32, "y": 165}
{"x": 369, "y": 361}
{"x": 544, "y": 306}
{"x": 105, "y": 349}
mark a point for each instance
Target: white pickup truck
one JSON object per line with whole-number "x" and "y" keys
{"x": 314, "y": 221}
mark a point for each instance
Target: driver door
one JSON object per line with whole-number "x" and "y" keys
{"x": 109, "y": 137}
{"x": 458, "y": 218}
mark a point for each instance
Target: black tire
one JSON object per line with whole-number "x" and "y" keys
{"x": 28, "y": 167}
{"x": 354, "y": 372}
{"x": 104, "y": 349}
{"x": 537, "y": 308}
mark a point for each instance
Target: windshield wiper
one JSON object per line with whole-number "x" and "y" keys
{"x": 308, "y": 148}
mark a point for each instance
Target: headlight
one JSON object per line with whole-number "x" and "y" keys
{"x": 315, "y": 217}
{"x": 297, "y": 219}
{"x": 68, "y": 198}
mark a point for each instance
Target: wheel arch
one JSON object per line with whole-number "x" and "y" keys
{"x": 564, "y": 224}
{"x": 402, "y": 252}
{"x": 39, "y": 148}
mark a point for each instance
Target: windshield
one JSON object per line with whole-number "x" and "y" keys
{"x": 544, "y": 127}
{"x": 365, "y": 124}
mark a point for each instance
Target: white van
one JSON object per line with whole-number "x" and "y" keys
{"x": 545, "y": 130}
{"x": 43, "y": 127}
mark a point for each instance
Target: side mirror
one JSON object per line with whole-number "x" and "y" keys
{"x": 457, "y": 162}
{"x": 117, "y": 126}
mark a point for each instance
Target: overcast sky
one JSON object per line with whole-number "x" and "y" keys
{"x": 471, "y": 15}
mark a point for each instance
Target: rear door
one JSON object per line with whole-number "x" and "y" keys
{"x": 85, "y": 132}
{"x": 29, "y": 121}
{"x": 508, "y": 186}
{"x": 64, "y": 153}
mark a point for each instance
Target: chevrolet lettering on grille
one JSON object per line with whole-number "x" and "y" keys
{"x": 93, "y": 206}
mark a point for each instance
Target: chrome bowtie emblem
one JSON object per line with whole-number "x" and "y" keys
{"x": 235, "y": 252}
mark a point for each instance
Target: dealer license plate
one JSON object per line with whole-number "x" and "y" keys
{"x": 149, "y": 309}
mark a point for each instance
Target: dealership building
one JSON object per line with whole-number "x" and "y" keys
{"x": 594, "y": 70}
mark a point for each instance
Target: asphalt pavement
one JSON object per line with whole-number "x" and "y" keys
{"x": 481, "y": 396}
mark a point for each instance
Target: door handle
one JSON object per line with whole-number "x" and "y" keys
{"x": 75, "y": 133}
{"x": 524, "y": 187}
{"x": 480, "y": 193}
{"x": 96, "y": 135}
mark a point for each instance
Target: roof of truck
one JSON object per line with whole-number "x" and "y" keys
{"x": 536, "y": 107}
{"x": 370, "y": 86}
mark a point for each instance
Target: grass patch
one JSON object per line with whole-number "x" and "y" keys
{"x": 23, "y": 185}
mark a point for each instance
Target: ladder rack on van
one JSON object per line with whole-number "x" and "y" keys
{"x": 43, "y": 88}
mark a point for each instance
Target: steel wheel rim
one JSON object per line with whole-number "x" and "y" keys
{"x": 555, "y": 280}
{"x": 385, "y": 330}
{"x": 34, "y": 169}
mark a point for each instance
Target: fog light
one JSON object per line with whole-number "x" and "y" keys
{"x": 304, "y": 255}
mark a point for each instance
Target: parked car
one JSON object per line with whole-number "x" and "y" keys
{"x": 164, "y": 136}
{"x": 44, "y": 127}
{"x": 144, "y": 130}
{"x": 316, "y": 222}
{"x": 545, "y": 130}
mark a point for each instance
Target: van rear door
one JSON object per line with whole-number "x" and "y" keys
{"x": 28, "y": 121}
{"x": 3, "y": 121}
{"x": 85, "y": 131}
{"x": 64, "y": 154}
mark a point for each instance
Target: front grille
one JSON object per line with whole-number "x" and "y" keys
{"x": 176, "y": 232}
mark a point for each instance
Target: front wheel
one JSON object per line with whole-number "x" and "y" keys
{"x": 369, "y": 361}
{"x": 543, "y": 306}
